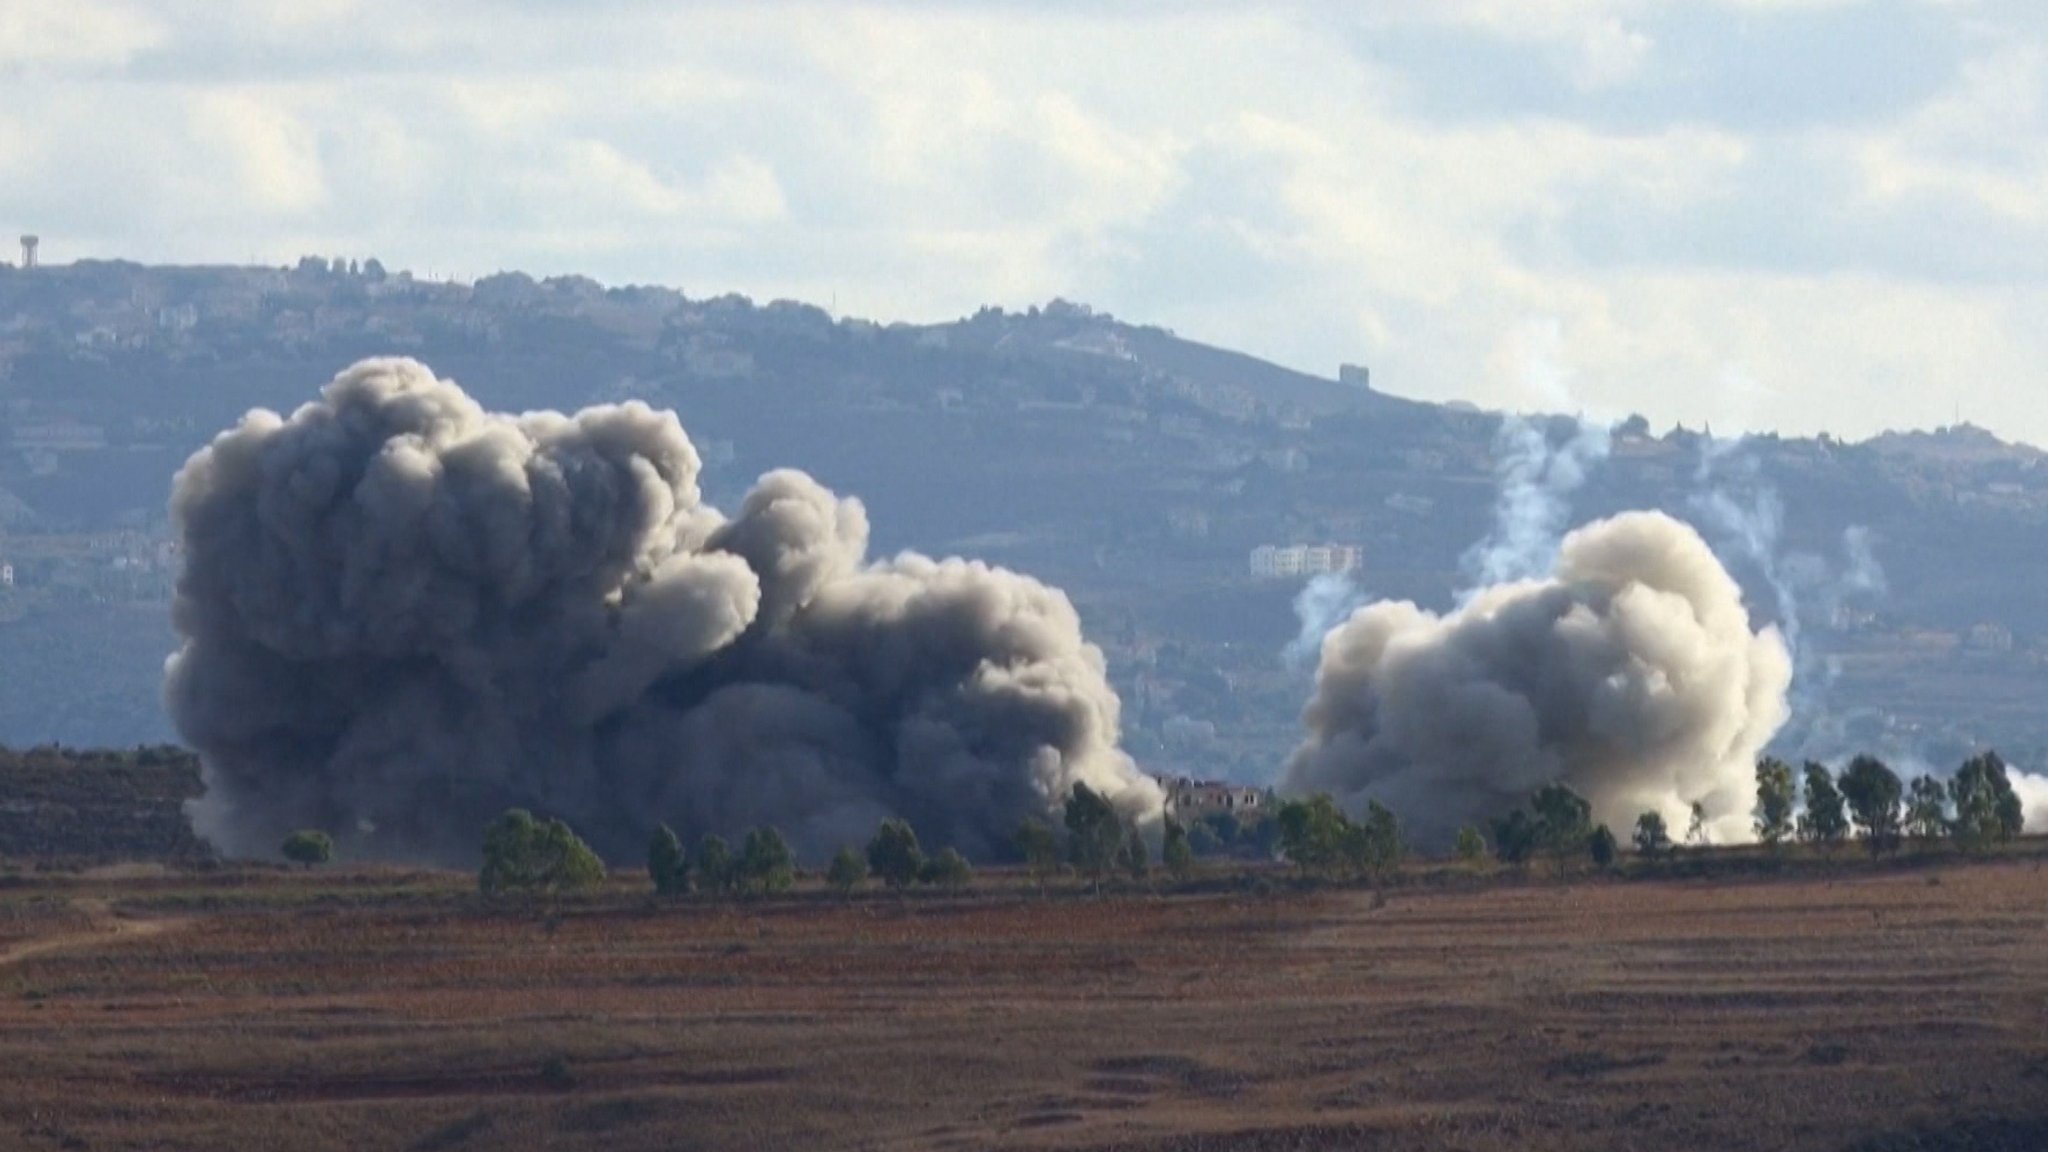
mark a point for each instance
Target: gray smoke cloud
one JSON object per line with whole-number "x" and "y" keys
{"x": 1629, "y": 670}
{"x": 402, "y": 614}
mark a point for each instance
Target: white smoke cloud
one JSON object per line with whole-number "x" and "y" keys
{"x": 402, "y": 614}
{"x": 1537, "y": 480}
{"x": 1323, "y": 603}
{"x": 1630, "y": 671}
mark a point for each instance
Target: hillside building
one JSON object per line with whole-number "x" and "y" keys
{"x": 1269, "y": 561}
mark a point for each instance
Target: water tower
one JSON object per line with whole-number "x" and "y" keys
{"x": 28, "y": 250}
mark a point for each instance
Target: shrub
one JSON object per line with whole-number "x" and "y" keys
{"x": 523, "y": 855}
{"x": 667, "y": 865}
{"x": 1471, "y": 846}
{"x": 307, "y": 847}
{"x": 713, "y": 864}
{"x": 1514, "y": 837}
{"x": 766, "y": 863}
{"x": 848, "y": 872}
{"x": 894, "y": 856}
{"x": 948, "y": 869}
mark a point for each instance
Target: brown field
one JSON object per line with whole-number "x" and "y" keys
{"x": 1889, "y": 1009}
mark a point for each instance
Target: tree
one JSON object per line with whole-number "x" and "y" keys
{"x": 1312, "y": 832}
{"x": 1987, "y": 808}
{"x": 1515, "y": 838}
{"x": 1696, "y": 827}
{"x": 1135, "y": 857}
{"x": 893, "y": 855}
{"x": 766, "y": 861}
{"x": 1873, "y": 792}
{"x": 307, "y": 847}
{"x": 1927, "y": 808}
{"x": 1776, "y": 796}
{"x": 848, "y": 872}
{"x": 1652, "y": 838}
{"x": 948, "y": 869}
{"x": 1601, "y": 846}
{"x": 1826, "y": 821}
{"x": 714, "y": 864}
{"x": 1174, "y": 851}
{"x": 525, "y": 856}
{"x": 1040, "y": 849}
{"x": 1095, "y": 834}
{"x": 1202, "y": 839}
{"x": 1563, "y": 821}
{"x": 1372, "y": 847}
{"x": 667, "y": 865}
{"x": 1471, "y": 846}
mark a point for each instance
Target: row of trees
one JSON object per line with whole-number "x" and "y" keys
{"x": 1975, "y": 808}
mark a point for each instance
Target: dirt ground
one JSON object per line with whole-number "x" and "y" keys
{"x": 1907, "y": 1009}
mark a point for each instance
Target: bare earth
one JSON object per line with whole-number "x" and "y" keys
{"x": 1907, "y": 1009}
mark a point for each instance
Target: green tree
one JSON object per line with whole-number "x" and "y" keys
{"x": 1987, "y": 808}
{"x": 307, "y": 847}
{"x": 1225, "y": 827}
{"x": 948, "y": 869}
{"x": 1873, "y": 792}
{"x": 1776, "y": 797}
{"x": 1927, "y": 808}
{"x": 1652, "y": 838}
{"x": 766, "y": 862}
{"x": 1095, "y": 834}
{"x": 1826, "y": 820}
{"x": 1515, "y": 837}
{"x": 1203, "y": 841}
{"x": 714, "y": 866}
{"x": 1600, "y": 845}
{"x": 1471, "y": 846}
{"x": 1563, "y": 821}
{"x": 848, "y": 872}
{"x": 1372, "y": 846}
{"x": 1312, "y": 833}
{"x": 525, "y": 856}
{"x": 1135, "y": 857}
{"x": 667, "y": 865}
{"x": 1174, "y": 851}
{"x": 894, "y": 856}
{"x": 1040, "y": 849}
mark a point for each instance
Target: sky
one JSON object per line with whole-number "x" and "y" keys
{"x": 1800, "y": 215}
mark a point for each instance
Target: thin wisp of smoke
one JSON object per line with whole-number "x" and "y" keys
{"x": 1630, "y": 671}
{"x": 402, "y": 614}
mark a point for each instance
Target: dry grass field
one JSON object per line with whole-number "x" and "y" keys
{"x": 1868, "y": 1010}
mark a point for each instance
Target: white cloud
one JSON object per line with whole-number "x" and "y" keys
{"x": 1414, "y": 186}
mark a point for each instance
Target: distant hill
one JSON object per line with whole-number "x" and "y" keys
{"x": 1134, "y": 468}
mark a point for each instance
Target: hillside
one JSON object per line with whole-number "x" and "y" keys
{"x": 1135, "y": 468}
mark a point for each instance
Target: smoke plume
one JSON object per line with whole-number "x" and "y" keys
{"x": 1630, "y": 671}
{"x": 1537, "y": 479}
{"x": 402, "y": 614}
